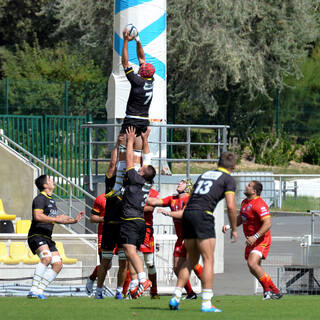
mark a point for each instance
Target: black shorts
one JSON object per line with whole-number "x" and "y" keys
{"x": 37, "y": 241}
{"x": 110, "y": 236}
{"x": 141, "y": 125}
{"x": 198, "y": 225}
{"x": 132, "y": 232}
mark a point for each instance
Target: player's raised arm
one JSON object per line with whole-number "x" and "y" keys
{"x": 131, "y": 135}
{"x": 113, "y": 160}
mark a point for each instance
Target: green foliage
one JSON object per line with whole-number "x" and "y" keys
{"x": 22, "y": 21}
{"x": 312, "y": 151}
{"x": 37, "y": 81}
{"x": 267, "y": 148}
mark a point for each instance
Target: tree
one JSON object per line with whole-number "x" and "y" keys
{"x": 37, "y": 81}
{"x": 22, "y": 21}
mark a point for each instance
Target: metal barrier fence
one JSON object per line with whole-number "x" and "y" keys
{"x": 77, "y": 198}
{"x": 57, "y": 140}
{"x": 187, "y": 149}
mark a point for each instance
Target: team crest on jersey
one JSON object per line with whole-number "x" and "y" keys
{"x": 249, "y": 207}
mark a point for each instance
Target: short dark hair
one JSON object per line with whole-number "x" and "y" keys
{"x": 257, "y": 187}
{"x": 40, "y": 181}
{"x": 227, "y": 160}
{"x": 149, "y": 173}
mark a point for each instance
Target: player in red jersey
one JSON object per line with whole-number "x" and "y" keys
{"x": 256, "y": 221}
{"x": 176, "y": 203}
{"x": 97, "y": 216}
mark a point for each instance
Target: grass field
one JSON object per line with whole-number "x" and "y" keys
{"x": 234, "y": 307}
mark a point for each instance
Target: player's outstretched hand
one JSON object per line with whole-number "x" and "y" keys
{"x": 79, "y": 216}
{"x": 225, "y": 228}
{"x": 145, "y": 135}
{"x": 131, "y": 133}
{"x": 126, "y": 35}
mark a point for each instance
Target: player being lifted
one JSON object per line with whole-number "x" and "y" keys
{"x": 137, "y": 110}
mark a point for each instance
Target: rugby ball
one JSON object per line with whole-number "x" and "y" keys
{"x": 131, "y": 30}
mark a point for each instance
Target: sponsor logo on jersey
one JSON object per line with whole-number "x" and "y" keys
{"x": 211, "y": 175}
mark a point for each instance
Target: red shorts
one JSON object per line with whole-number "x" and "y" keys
{"x": 262, "y": 246}
{"x": 148, "y": 243}
{"x": 179, "y": 249}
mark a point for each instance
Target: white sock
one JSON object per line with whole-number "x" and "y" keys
{"x": 99, "y": 290}
{"x": 133, "y": 284}
{"x": 206, "y": 295}
{"x": 47, "y": 278}
{"x": 119, "y": 289}
{"x": 177, "y": 293}
{"x": 37, "y": 277}
{"x": 142, "y": 277}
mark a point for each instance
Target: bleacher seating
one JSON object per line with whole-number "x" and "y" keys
{"x": 6, "y": 226}
{"x": 3, "y": 251}
{"x": 23, "y": 226}
{"x": 31, "y": 258}
{"x": 4, "y": 215}
{"x": 17, "y": 253}
{"x": 62, "y": 254}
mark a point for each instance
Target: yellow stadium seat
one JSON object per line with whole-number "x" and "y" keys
{"x": 17, "y": 253}
{"x": 31, "y": 258}
{"x": 3, "y": 251}
{"x": 62, "y": 254}
{"x": 4, "y": 215}
{"x": 23, "y": 226}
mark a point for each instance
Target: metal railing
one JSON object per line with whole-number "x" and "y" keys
{"x": 70, "y": 205}
{"x": 177, "y": 151}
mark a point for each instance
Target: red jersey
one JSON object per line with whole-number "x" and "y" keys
{"x": 176, "y": 203}
{"x": 99, "y": 208}
{"x": 148, "y": 215}
{"x": 253, "y": 212}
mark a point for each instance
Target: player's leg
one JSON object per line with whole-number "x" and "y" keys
{"x": 192, "y": 258}
{"x": 206, "y": 248}
{"x": 92, "y": 277}
{"x": 152, "y": 273}
{"x": 105, "y": 265}
{"x": 45, "y": 259}
{"x": 51, "y": 273}
{"x": 122, "y": 273}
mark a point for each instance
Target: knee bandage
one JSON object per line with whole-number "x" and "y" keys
{"x": 55, "y": 259}
{"x": 149, "y": 261}
{"x": 107, "y": 254}
{"x": 45, "y": 254}
{"x": 121, "y": 255}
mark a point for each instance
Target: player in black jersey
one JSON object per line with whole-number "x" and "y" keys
{"x": 198, "y": 227}
{"x": 111, "y": 232}
{"x": 140, "y": 97}
{"x": 44, "y": 215}
{"x": 132, "y": 228}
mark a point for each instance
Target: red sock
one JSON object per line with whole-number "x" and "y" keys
{"x": 272, "y": 285}
{"x": 126, "y": 283}
{"x": 94, "y": 274}
{"x": 188, "y": 287}
{"x": 198, "y": 270}
{"x": 264, "y": 282}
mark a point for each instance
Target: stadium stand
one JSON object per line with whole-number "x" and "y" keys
{"x": 4, "y": 215}
{"x": 3, "y": 251}
{"x": 23, "y": 226}
{"x": 63, "y": 256}
{"x": 31, "y": 258}
{"x": 17, "y": 253}
{"x": 6, "y": 226}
